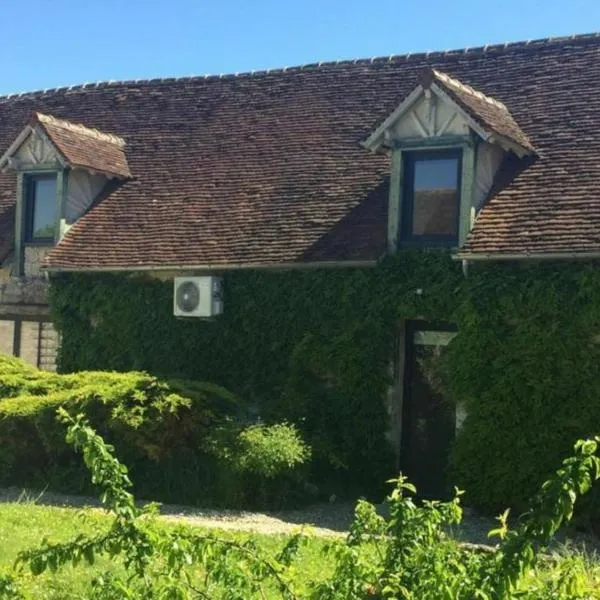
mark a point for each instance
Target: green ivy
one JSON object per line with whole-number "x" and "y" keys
{"x": 314, "y": 346}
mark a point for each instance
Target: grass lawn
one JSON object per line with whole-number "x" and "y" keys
{"x": 24, "y": 525}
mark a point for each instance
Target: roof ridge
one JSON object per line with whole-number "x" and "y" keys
{"x": 451, "y": 81}
{"x": 81, "y": 129}
{"x": 314, "y": 65}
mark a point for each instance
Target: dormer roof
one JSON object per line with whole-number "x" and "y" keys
{"x": 492, "y": 115}
{"x": 486, "y": 116}
{"x": 76, "y": 146}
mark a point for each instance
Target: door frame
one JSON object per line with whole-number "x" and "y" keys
{"x": 412, "y": 327}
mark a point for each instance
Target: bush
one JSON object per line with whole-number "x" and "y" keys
{"x": 161, "y": 428}
{"x": 272, "y": 460}
{"x": 267, "y": 451}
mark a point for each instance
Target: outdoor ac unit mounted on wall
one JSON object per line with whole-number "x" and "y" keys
{"x": 197, "y": 296}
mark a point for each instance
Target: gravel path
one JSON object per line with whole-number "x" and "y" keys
{"x": 324, "y": 519}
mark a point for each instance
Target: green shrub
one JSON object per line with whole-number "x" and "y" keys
{"x": 264, "y": 450}
{"x": 160, "y": 427}
{"x": 525, "y": 366}
{"x": 265, "y": 466}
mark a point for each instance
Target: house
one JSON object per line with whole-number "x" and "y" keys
{"x": 491, "y": 152}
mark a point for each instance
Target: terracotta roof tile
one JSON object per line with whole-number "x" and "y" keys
{"x": 85, "y": 147}
{"x": 488, "y": 112}
{"x": 267, "y": 168}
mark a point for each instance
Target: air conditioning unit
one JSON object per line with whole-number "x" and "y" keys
{"x": 197, "y": 296}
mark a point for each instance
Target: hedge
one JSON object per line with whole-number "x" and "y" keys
{"x": 163, "y": 429}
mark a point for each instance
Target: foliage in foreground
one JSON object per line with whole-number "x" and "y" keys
{"x": 409, "y": 555}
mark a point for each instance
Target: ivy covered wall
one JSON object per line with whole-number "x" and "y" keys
{"x": 314, "y": 347}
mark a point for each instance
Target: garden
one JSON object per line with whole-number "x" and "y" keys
{"x": 127, "y": 552}
{"x": 279, "y": 403}
{"x": 60, "y": 422}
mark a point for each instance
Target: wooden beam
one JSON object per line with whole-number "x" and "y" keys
{"x": 446, "y": 124}
{"x": 374, "y": 141}
{"x": 442, "y": 142}
{"x": 61, "y": 197}
{"x": 466, "y": 192}
{"x": 40, "y": 167}
{"x": 420, "y": 125}
{"x": 15, "y": 145}
{"x": 19, "y": 226}
{"x": 394, "y": 201}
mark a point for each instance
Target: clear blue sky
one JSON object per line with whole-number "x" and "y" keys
{"x": 50, "y": 43}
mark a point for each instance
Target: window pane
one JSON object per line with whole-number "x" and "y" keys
{"x": 44, "y": 207}
{"x": 435, "y": 200}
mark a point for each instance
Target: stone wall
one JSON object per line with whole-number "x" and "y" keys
{"x": 33, "y": 257}
{"x": 25, "y": 326}
{"x": 25, "y": 295}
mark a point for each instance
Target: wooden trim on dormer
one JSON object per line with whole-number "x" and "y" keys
{"x": 40, "y": 168}
{"x": 374, "y": 141}
{"x": 469, "y": 152}
{"x": 442, "y": 142}
{"x": 468, "y": 147}
{"x": 59, "y": 155}
{"x": 7, "y": 156}
{"x": 395, "y": 200}
{"x": 19, "y": 258}
{"x": 62, "y": 178}
{"x": 434, "y": 88}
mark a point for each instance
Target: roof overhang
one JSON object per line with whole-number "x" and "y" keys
{"x": 49, "y": 130}
{"x": 383, "y": 137}
{"x": 508, "y": 256}
{"x": 214, "y": 267}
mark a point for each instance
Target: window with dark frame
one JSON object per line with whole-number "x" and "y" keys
{"x": 431, "y": 197}
{"x": 40, "y": 209}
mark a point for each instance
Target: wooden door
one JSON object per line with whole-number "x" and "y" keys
{"x": 428, "y": 418}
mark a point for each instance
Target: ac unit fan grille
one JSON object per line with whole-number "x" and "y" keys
{"x": 188, "y": 297}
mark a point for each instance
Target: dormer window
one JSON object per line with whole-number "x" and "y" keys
{"x": 431, "y": 197}
{"x": 62, "y": 168}
{"x": 446, "y": 142}
{"x": 40, "y": 208}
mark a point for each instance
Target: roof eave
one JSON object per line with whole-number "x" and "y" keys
{"x": 502, "y": 256}
{"x": 510, "y": 144}
{"x": 485, "y": 133}
{"x": 212, "y": 267}
{"x": 108, "y": 174}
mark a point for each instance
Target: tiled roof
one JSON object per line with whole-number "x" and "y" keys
{"x": 267, "y": 168}
{"x": 85, "y": 147}
{"x": 488, "y": 112}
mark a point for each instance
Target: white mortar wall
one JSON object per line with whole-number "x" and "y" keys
{"x": 29, "y": 342}
{"x": 34, "y": 255}
{"x": 82, "y": 189}
{"x": 489, "y": 158}
{"x": 7, "y": 332}
{"x": 35, "y": 150}
{"x": 49, "y": 347}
